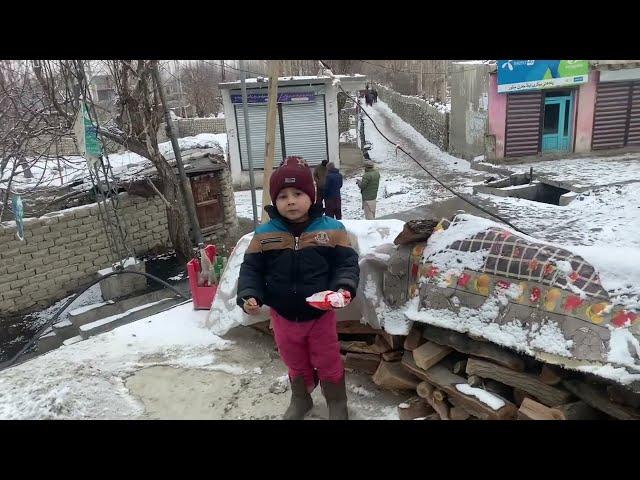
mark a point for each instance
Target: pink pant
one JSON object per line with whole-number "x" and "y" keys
{"x": 305, "y": 346}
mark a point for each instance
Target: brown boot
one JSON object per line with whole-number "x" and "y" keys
{"x": 301, "y": 401}
{"x": 336, "y": 395}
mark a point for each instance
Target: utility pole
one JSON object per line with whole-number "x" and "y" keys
{"x": 247, "y": 133}
{"x": 270, "y": 142}
{"x": 185, "y": 186}
{"x": 222, "y": 70}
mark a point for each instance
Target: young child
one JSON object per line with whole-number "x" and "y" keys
{"x": 300, "y": 252}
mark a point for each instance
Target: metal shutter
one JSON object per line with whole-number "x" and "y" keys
{"x": 611, "y": 114}
{"x": 305, "y": 130}
{"x": 258, "y": 126}
{"x": 523, "y": 124}
{"x": 633, "y": 137}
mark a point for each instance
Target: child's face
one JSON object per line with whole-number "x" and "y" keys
{"x": 293, "y": 204}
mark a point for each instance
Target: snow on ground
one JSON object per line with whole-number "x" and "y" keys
{"x": 167, "y": 366}
{"x": 587, "y": 171}
{"x": 85, "y": 380}
{"x": 606, "y": 216}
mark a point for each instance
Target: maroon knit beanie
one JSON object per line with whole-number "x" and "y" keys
{"x": 293, "y": 172}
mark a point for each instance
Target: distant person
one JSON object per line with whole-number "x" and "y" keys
{"x": 368, "y": 98}
{"x": 332, "y": 186}
{"x": 320, "y": 177}
{"x": 374, "y": 92}
{"x": 369, "y": 189}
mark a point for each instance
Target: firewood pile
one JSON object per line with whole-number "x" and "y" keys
{"x": 456, "y": 377}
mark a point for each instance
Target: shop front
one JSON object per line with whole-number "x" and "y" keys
{"x": 533, "y": 105}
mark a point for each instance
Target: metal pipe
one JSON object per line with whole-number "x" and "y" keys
{"x": 185, "y": 186}
{"x": 247, "y": 134}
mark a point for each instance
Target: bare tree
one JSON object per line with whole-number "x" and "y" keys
{"x": 135, "y": 126}
{"x": 28, "y": 131}
{"x": 200, "y": 85}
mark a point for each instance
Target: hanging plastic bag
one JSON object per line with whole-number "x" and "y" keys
{"x": 18, "y": 214}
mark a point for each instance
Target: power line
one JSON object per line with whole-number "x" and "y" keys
{"x": 399, "y": 147}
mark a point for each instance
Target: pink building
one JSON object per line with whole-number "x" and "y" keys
{"x": 596, "y": 111}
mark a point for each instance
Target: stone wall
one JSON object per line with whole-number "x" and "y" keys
{"x": 63, "y": 250}
{"x": 469, "y": 110}
{"x": 189, "y": 127}
{"x": 425, "y": 118}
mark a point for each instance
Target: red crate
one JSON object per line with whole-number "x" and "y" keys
{"x": 202, "y": 296}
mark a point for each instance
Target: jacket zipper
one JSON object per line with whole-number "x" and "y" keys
{"x": 296, "y": 247}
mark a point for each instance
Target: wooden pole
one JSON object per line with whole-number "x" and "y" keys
{"x": 270, "y": 142}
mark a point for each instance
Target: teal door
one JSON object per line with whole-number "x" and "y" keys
{"x": 557, "y": 123}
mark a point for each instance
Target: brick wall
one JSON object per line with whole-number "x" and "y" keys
{"x": 62, "y": 250}
{"x": 425, "y": 118}
{"x": 189, "y": 127}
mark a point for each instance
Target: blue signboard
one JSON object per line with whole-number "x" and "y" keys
{"x": 518, "y": 75}
{"x": 263, "y": 98}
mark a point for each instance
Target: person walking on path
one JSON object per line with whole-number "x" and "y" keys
{"x": 297, "y": 254}
{"x": 369, "y": 189}
{"x": 332, "y": 198}
{"x": 320, "y": 176}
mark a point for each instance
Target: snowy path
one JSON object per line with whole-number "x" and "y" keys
{"x": 169, "y": 366}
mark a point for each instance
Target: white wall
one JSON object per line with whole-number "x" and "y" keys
{"x": 239, "y": 177}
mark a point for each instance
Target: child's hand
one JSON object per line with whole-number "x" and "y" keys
{"x": 251, "y": 306}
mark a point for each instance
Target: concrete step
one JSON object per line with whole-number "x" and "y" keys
{"x": 65, "y": 329}
{"x": 85, "y": 315}
{"x": 48, "y": 342}
{"x": 136, "y": 313}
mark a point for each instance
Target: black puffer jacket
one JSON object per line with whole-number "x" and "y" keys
{"x": 281, "y": 270}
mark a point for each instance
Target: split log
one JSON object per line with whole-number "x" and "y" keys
{"x": 357, "y": 347}
{"x": 425, "y": 390}
{"x": 413, "y": 408}
{"x": 623, "y": 396}
{"x": 579, "y": 411}
{"x": 474, "y": 381}
{"x": 433, "y": 416}
{"x": 393, "y": 356}
{"x": 395, "y": 341}
{"x": 459, "y": 368}
{"x": 500, "y": 389}
{"x": 446, "y": 381}
{"x": 458, "y": 413}
{"x": 362, "y": 362}
{"x": 519, "y": 396}
{"x": 550, "y": 375}
{"x": 527, "y": 382}
{"x": 392, "y": 376}
{"x": 355, "y": 327}
{"x": 381, "y": 345}
{"x": 429, "y": 353}
{"x": 532, "y": 410}
{"x": 434, "y": 397}
{"x": 464, "y": 344}
{"x": 414, "y": 339}
{"x": 596, "y": 398}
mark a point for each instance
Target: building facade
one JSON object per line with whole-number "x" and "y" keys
{"x": 306, "y": 122}
{"x": 539, "y": 107}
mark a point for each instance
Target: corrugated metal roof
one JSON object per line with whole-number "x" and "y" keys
{"x": 614, "y": 64}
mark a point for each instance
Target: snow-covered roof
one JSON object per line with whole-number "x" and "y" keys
{"x": 294, "y": 80}
{"x": 614, "y": 64}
